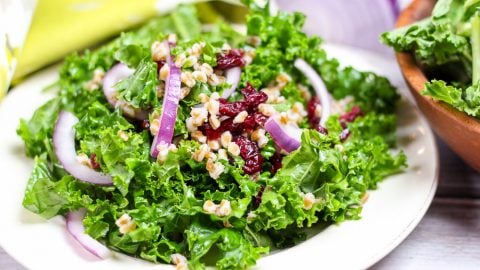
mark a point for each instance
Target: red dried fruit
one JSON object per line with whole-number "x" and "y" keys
{"x": 250, "y": 153}
{"x": 258, "y": 198}
{"x": 93, "y": 161}
{"x": 276, "y": 161}
{"x": 260, "y": 119}
{"x": 160, "y": 64}
{"x": 212, "y": 134}
{"x": 344, "y": 135}
{"x": 249, "y": 123}
{"x": 253, "y": 165}
{"x": 350, "y": 116}
{"x": 229, "y": 59}
{"x": 311, "y": 108}
{"x": 253, "y": 98}
{"x": 322, "y": 129}
{"x": 231, "y": 108}
{"x": 144, "y": 124}
{"x": 248, "y": 90}
{"x": 247, "y": 148}
{"x": 312, "y": 117}
{"x": 225, "y": 125}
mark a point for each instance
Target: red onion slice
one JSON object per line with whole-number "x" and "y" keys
{"x": 233, "y": 78}
{"x": 77, "y": 230}
{"x": 116, "y": 74}
{"x": 319, "y": 86}
{"x": 169, "y": 108}
{"x": 64, "y": 144}
{"x": 288, "y": 137}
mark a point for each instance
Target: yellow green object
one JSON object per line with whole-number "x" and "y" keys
{"x": 62, "y": 26}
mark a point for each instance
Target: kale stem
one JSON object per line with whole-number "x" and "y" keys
{"x": 475, "y": 40}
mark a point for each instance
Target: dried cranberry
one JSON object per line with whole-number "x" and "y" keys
{"x": 247, "y": 147}
{"x": 258, "y": 198}
{"x": 253, "y": 165}
{"x": 226, "y": 125}
{"x": 249, "y": 123}
{"x": 212, "y": 134}
{"x": 231, "y": 108}
{"x": 344, "y": 135}
{"x": 93, "y": 161}
{"x": 322, "y": 129}
{"x": 260, "y": 119}
{"x": 350, "y": 116}
{"x": 311, "y": 108}
{"x": 160, "y": 64}
{"x": 232, "y": 58}
{"x": 253, "y": 98}
{"x": 251, "y": 155}
{"x": 276, "y": 161}
{"x": 144, "y": 124}
{"x": 248, "y": 90}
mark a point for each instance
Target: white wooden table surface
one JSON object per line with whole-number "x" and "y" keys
{"x": 448, "y": 237}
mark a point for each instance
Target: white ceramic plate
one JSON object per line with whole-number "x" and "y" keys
{"x": 389, "y": 216}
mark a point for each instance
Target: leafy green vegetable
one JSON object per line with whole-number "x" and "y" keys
{"x": 447, "y": 44}
{"x": 140, "y": 89}
{"x": 235, "y": 251}
{"x": 437, "y": 40}
{"x": 465, "y": 100}
{"x": 131, "y": 55}
{"x": 36, "y": 132}
{"x": 338, "y": 179}
{"x": 282, "y": 41}
{"x": 40, "y": 195}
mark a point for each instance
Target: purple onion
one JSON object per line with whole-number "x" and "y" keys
{"x": 64, "y": 146}
{"x": 287, "y": 137}
{"x": 75, "y": 227}
{"x": 319, "y": 86}
{"x": 168, "y": 116}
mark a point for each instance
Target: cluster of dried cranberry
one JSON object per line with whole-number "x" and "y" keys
{"x": 93, "y": 162}
{"x": 229, "y": 59}
{"x": 249, "y": 150}
{"x": 313, "y": 119}
{"x": 345, "y": 118}
{"x": 349, "y": 117}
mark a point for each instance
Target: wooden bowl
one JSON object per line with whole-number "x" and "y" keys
{"x": 460, "y": 131}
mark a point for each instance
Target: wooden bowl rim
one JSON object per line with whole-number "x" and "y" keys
{"x": 417, "y": 79}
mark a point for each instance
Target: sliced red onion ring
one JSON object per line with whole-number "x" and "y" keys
{"x": 233, "y": 77}
{"x": 64, "y": 144}
{"x": 169, "y": 108}
{"x": 319, "y": 86}
{"x": 117, "y": 73}
{"x": 288, "y": 137}
{"x": 77, "y": 230}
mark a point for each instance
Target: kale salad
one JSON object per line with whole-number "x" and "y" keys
{"x": 201, "y": 145}
{"x": 447, "y": 46}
